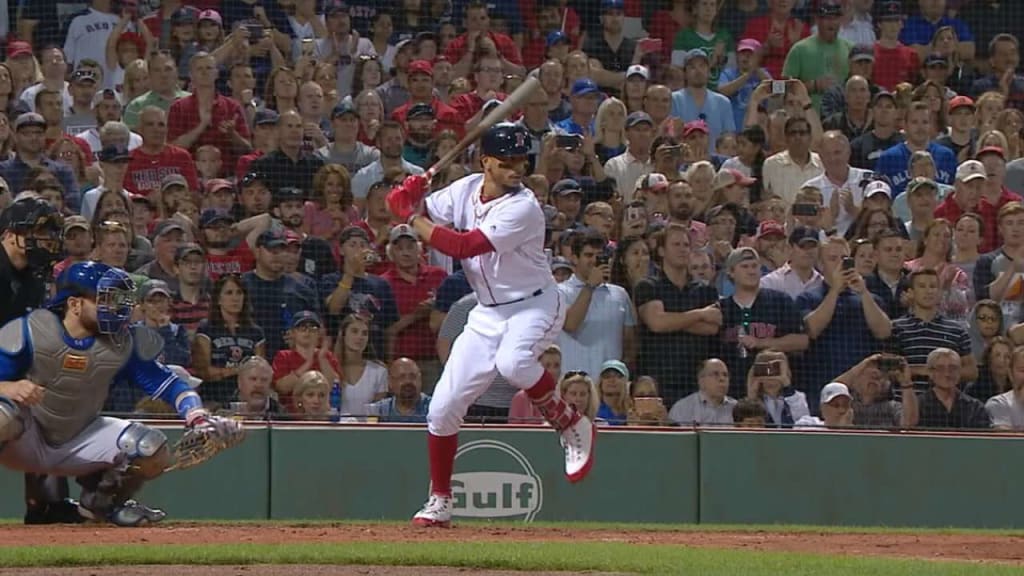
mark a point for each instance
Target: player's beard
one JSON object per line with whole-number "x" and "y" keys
{"x": 89, "y": 322}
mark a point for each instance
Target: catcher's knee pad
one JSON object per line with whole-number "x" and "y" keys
{"x": 145, "y": 448}
{"x": 10, "y": 424}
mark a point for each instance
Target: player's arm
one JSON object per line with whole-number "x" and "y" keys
{"x": 459, "y": 245}
{"x": 15, "y": 360}
{"x": 157, "y": 380}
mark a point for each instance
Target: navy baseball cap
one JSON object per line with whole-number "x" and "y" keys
{"x": 270, "y": 239}
{"x": 890, "y": 10}
{"x": 114, "y": 153}
{"x": 693, "y": 54}
{"x": 934, "y": 59}
{"x": 306, "y": 317}
{"x": 186, "y": 249}
{"x": 265, "y": 117}
{"x": 639, "y": 117}
{"x": 612, "y": 5}
{"x": 565, "y": 187}
{"x": 421, "y": 109}
{"x": 862, "y": 52}
{"x": 167, "y": 226}
{"x": 212, "y": 216}
{"x": 343, "y": 107}
{"x": 557, "y": 37}
{"x": 289, "y": 194}
{"x": 352, "y": 232}
{"x": 803, "y": 234}
{"x": 584, "y": 86}
{"x": 829, "y": 8}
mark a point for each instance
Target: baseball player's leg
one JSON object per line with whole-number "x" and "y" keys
{"x": 466, "y": 375}
{"x": 528, "y": 332}
{"x": 48, "y": 501}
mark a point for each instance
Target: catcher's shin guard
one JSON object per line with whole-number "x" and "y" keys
{"x": 106, "y": 495}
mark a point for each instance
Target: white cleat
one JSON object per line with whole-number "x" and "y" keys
{"x": 578, "y": 443}
{"x": 436, "y": 513}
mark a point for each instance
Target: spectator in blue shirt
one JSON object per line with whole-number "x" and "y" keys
{"x": 407, "y": 402}
{"x": 584, "y": 97}
{"x": 738, "y": 82}
{"x": 919, "y": 30}
{"x": 1004, "y": 57}
{"x": 697, "y": 102}
{"x": 29, "y": 143}
{"x": 894, "y": 163}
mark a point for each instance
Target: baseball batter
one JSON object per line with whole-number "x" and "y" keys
{"x": 56, "y": 368}
{"x": 519, "y": 313}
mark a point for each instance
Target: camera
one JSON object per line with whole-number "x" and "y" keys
{"x": 889, "y": 363}
{"x": 569, "y": 141}
{"x": 766, "y": 369}
{"x": 848, "y": 263}
{"x": 805, "y": 209}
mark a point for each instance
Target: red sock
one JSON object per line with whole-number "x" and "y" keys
{"x": 543, "y": 386}
{"x": 441, "y": 450}
{"x": 556, "y": 411}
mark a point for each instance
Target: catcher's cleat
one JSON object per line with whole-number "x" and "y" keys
{"x": 578, "y": 442}
{"x": 436, "y": 513}
{"x": 127, "y": 515}
{"x": 64, "y": 512}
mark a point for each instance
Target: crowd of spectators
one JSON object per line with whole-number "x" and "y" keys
{"x": 782, "y": 213}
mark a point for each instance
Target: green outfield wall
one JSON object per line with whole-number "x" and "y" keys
{"x": 672, "y": 476}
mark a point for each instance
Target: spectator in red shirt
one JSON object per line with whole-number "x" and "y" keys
{"x": 421, "y": 90}
{"x": 461, "y": 50}
{"x": 971, "y": 179}
{"x": 548, "y": 33}
{"x": 264, "y": 140}
{"x": 216, "y": 234}
{"x": 207, "y": 117}
{"x": 156, "y": 159}
{"x": 895, "y": 62}
{"x": 414, "y": 285}
{"x": 487, "y": 77}
{"x": 309, "y": 351}
{"x": 666, "y": 23}
{"x": 994, "y": 195}
{"x": 777, "y": 31}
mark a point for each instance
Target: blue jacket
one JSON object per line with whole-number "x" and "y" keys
{"x": 894, "y": 163}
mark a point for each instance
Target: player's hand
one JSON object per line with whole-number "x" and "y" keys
{"x": 23, "y": 392}
{"x": 404, "y": 200}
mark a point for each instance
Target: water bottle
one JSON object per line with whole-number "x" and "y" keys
{"x": 335, "y": 401}
{"x": 741, "y": 349}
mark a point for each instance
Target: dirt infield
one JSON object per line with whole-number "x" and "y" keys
{"x": 932, "y": 546}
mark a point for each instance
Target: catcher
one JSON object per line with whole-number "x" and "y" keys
{"x": 56, "y": 368}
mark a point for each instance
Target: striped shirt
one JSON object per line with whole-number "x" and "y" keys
{"x": 914, "y": 338}
{"x": 189, "y": 315}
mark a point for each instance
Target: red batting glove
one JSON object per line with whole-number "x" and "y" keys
{"x": 404, "y": 200}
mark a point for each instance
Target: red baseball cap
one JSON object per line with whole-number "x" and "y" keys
{"x": 19, "y": 48}
{"x": 770, "y": 228}
{"x": 695, "y": 126}
{"x": 420, "y": 67}
{"x": 991, "y": 150}
{"x": 960, "y": 102}
{"x": 135, "y": 38}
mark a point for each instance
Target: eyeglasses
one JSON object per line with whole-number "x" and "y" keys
{"x": 307, "y": 328}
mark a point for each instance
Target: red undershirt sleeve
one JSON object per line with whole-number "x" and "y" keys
{"x": 460, "y": 244}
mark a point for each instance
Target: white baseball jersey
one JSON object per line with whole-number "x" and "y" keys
{"x": 514, "y": 223}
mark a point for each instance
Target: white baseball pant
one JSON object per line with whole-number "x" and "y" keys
{"x": 506, "y": 340}
{"x": 94, "y": 449}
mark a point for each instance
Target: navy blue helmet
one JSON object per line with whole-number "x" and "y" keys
{"x": 505, "y": 140}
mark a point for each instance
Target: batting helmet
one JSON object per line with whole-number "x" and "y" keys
{"x": 112, "y": 288}
{"x": 505, "y": 140}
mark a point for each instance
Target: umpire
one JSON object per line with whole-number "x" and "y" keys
{"x": 30, "y": 234}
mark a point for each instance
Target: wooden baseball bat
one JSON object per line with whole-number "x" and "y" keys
{"x": 512, "y": 102}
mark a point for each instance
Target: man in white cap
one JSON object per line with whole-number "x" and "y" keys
{"x": 970, "y": 183}
{"x": 836, "y": 409}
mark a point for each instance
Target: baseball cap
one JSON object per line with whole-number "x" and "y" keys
{"x": 695, "y": 126}
{"x": 105, "y": 95}
{"x": 617, "y": 366}
{"x": 305, "y": 317}
{"x": 401, "y": 231}
{"x": 115, "y": 153}
{"x": 289, "y": 194}
{"x": 565, "y": 187}
{"x": 804, "y": 234}
{"x": 834, "y": 390}
{"x": 76, "y": 221}
{"x": 990, "y": 150}
{"x": 186, "y": 249}
{"x": 29, "y": 119}
{"x": 692, "y": 55}
{"x": 184, "y": 15}
{"x": 883, "y": 94}
{"x": 560, "y": 263}
{"x": 584, "y": 86}
{"x": 217, "y": 184}
{"x": 557, "y": 37}
{"x": 270, "y": 239}
{"x": 424, "y": 35}
{"x": 152, "y": 286}
{"x": 971, "y": 170}
{"x": 166, "y": 227}
{"x": 352, "y": 232}
{"x": 638, "y": 117}
{"x": 19, "y": 48}
{"x": 862, "y": 52}
{"x": 770, "y": 228}
{"x": 828, "y": 8}
{"x": 343, "y": 107}
{"x": 133, "y": 38}
{"x": 335, "y": 6}
{"x": 727, "y": 177}
{"x": 173, "y": 180}
{"x": 421, "y": 109}
{"x": 612, "y": 5}
{"x": 748, "y": 45}
{"x": 265, "y": 117}
{"x": 877, "y": 187}
{"x": 211, "y": 15}
{"x": 921, "y": 182}
{"x": 740, "y": 255}
{"x": 890, "y": 10}
{"x": 404, "y": 43}
{"x": 652, "y": 181}
{"x": 933, "y": 59}
{"x": 212, "y": 216}
{"x": 420, "y": 67}
{"x": 84, "y": 75}
{"x": 960, "y": 102}
{"x": 638, "y": 70}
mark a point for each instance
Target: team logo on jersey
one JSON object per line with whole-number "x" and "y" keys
{"x": 76, "y": 363}
{"x": 501, "y": 482}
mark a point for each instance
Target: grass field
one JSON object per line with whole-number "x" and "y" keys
{"x": 490, "y": 546}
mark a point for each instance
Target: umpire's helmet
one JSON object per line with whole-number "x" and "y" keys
{"x": 505, "y": 140}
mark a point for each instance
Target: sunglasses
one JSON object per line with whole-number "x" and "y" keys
{"x": 575, "y": 373}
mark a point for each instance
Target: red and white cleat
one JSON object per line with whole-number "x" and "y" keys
{"x": 578, "y": 443}
{"x": 436, "y": 513}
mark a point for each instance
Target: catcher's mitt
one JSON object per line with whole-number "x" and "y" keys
{"x": 206, "y": 437}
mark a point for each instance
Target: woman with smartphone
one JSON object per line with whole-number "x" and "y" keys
{"x": 769, "y": 381}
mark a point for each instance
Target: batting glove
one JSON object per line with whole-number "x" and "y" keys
{"x": 405, "y": 200}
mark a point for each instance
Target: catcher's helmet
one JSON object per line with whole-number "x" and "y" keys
{"x": 112, "y": 288}
{"x": 505, "y": 140}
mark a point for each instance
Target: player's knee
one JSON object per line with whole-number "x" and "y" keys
{"x": 10, "y": 424}
{"x": 139, "y": 443}
{"x": 445, "y": 418}
{"x": 517, "y": 366}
